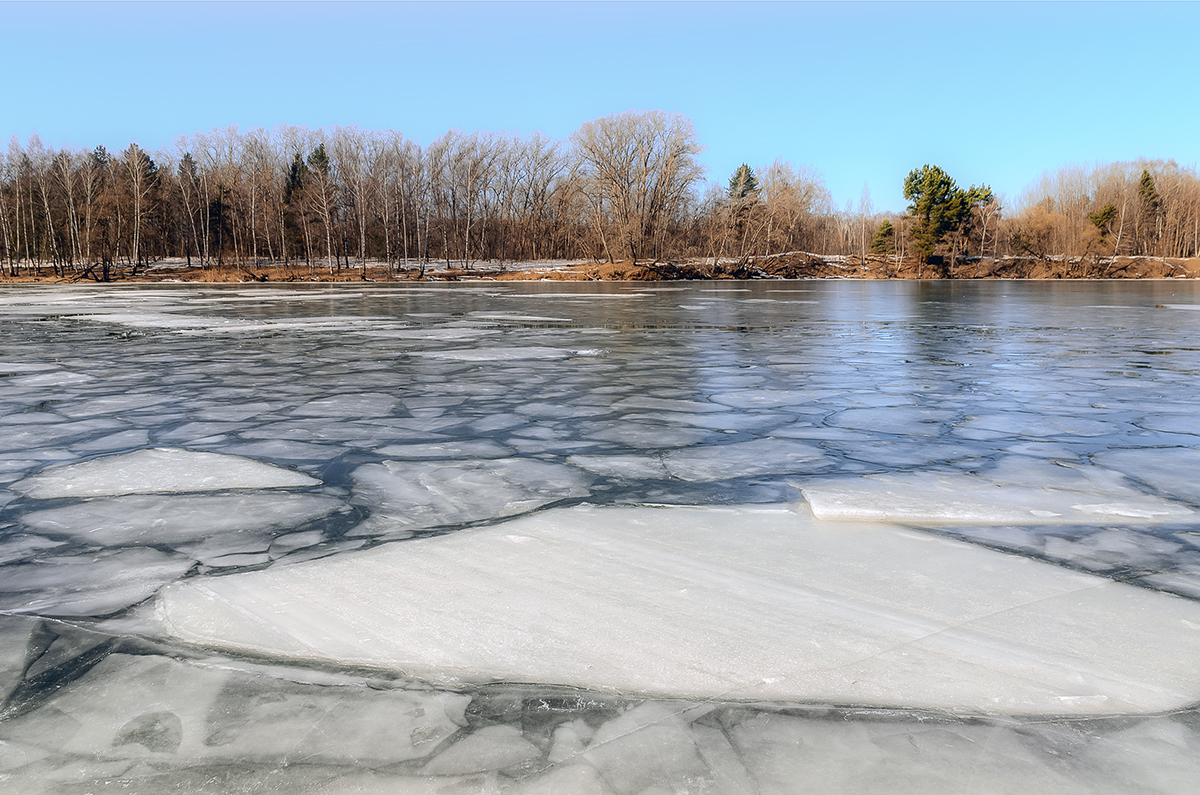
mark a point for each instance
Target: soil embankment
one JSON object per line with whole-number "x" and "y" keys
{"x": 811, "y": 266}
{"x": 795, "y": 265}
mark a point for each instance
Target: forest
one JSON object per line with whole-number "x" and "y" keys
{"x": 626, "y": 187}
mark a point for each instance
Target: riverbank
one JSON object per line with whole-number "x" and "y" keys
{"x": 793, "y": 265}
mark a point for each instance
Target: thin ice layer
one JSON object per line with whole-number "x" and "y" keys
{"x": 1018, "y": 491}
{"x": 739, "y": 603}
{"x": 158, "y": 470}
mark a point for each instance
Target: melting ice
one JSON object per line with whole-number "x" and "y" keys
{"x": 711, "y": 538}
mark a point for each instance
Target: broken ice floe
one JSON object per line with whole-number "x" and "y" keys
{"x": 88, "y": 583}
{"x": 711, "y": 462}
{"x": 158, "y": 470}
{"x": 1017, "y": 491}
{"x": 1173, "y": 470}
{"x": 146, "y": 707}
{"x": 467, "y": 448}
{"x": 504, "y": 354}
{"x": 172, "y": 520}
{"x": 764, "y": 604}
{"x": 432, "y": 493}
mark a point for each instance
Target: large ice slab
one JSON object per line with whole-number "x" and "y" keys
{"x": 158, "y": 470}
{"x": 739, "y": 603}
{"x": 1018, "y": 491}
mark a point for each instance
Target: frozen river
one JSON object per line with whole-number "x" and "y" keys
{"x": 769, "y": 537}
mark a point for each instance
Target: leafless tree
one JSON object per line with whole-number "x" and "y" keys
{"x": 635, "y": 170}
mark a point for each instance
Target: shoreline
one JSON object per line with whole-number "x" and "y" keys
{"x": 790, "y": 266}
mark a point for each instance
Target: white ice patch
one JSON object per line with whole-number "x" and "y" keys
{"x": 355, "y": 404}
{"x": 1017, "y": 491}
{"x": 762, "y": 398}
{"x": 171, "y": 520}
{"x": 503, "y": 354}
{"x": 1038, "y": 426}
{"x": 468, "y": 448}
{"x": 762, "y": 604}
{"x": 743, "y": 459}
{"x": 901, "y": 420}
{"x": 705, "y": 464}
{"x": 158, "y": 470}
{"x": 443, "y": 334}
{"x": 519, "y": 318}
{"x": 630, "y": 467}
{"x": 430, "y": 493}
{"x": 158, "y": 320}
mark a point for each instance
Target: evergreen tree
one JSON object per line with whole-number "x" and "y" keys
{"x": 1151, "y": 202}
{"x": 1151, "y": 215}
{"x": 1103, "y": 217}
{"x": 742, "y": 183}
{"x": 939, "y": 206}
{"x": 319, "y": 160}
{"x": 296, "y": 177}
{"x": 884, "y": 241}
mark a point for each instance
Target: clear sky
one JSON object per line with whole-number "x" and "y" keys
{"x": 862, "y": 92}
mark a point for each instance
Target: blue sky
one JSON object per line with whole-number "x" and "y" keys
{"x": 862, "y": 92}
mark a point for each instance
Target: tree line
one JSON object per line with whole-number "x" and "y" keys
{"x": 624, "y": 187}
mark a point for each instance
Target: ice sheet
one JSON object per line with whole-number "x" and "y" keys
{"x": 763, "y": 604}
{"x": 1009, "y": 370}
{"x": 158, "y": 470}
{"x": 1017, "y": 491}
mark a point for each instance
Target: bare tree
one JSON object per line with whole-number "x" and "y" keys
{"x": 635, "y": 170}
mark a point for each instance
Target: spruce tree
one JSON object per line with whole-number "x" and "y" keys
{"x": 319, "y": 160}
{"x": 1150, "y": 198}
{"x": 742, "y": 183}
{"x": 1151, "y": 213}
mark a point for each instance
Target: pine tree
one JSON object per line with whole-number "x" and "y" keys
{"x": 939, "y": 206}
{"x": 885, "y": 239}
